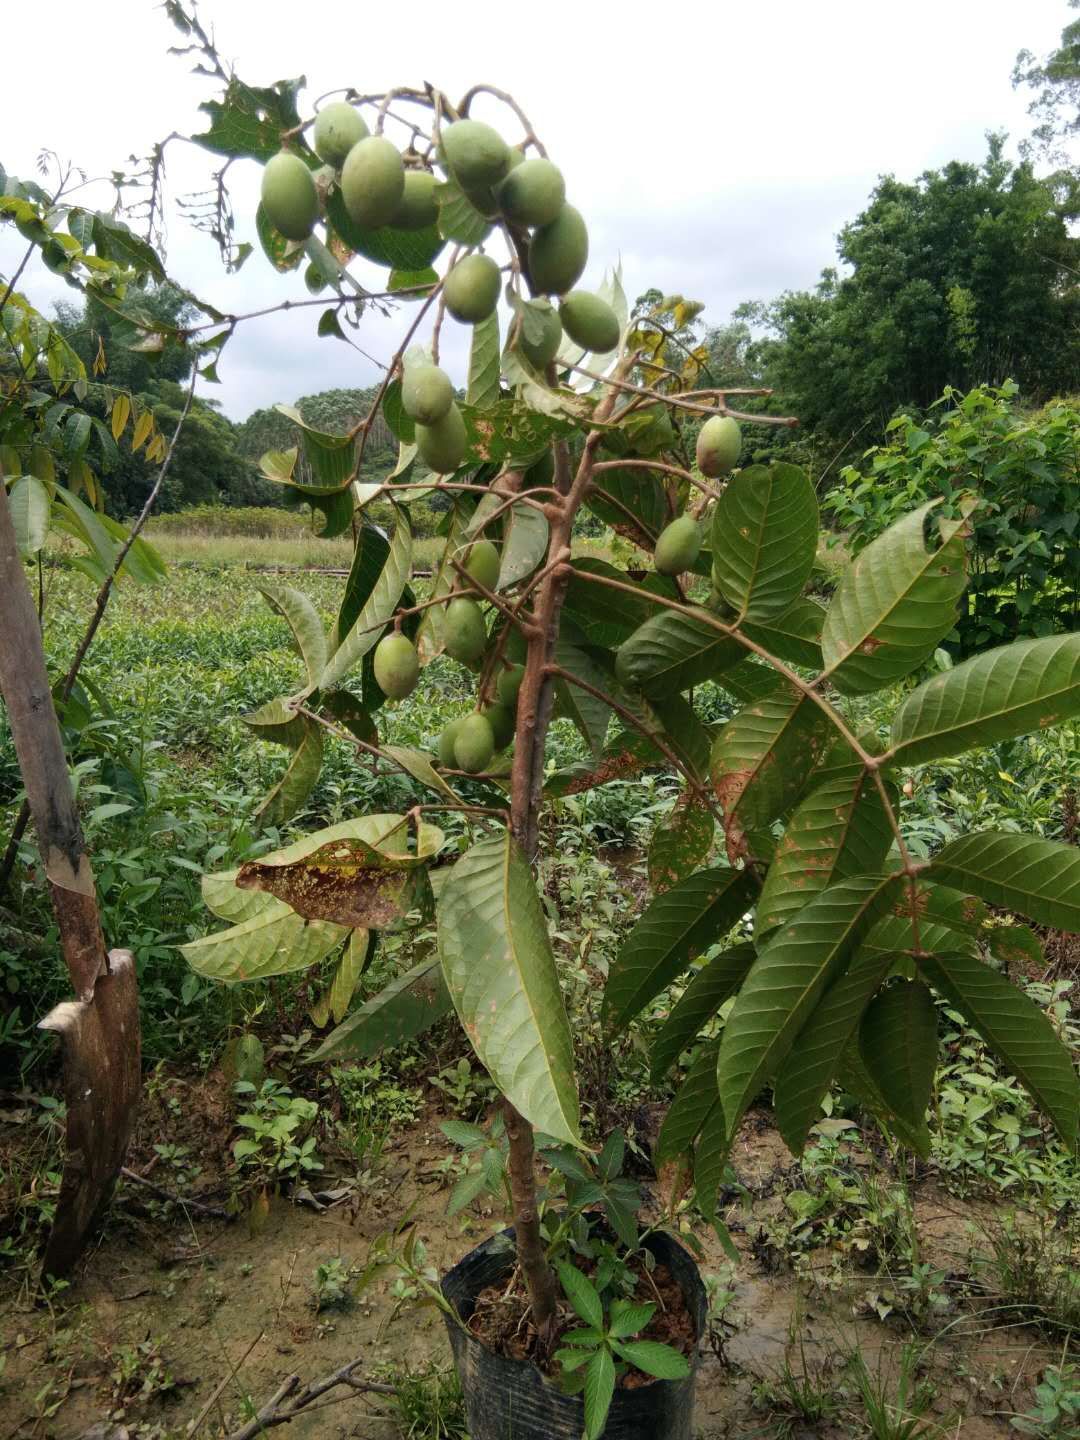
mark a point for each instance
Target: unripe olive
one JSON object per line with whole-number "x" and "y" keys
{"x": 558, "y": 253}
{"x": 397, "y": 666}
{"x": 509, "y": 683}
{"x": 476, "y": 154}
{"x": 464, "y": 632}
{"x": 338, "y": 126}
{"x": 418, "y": 208}
{"x": 474, "y": 744}
{"x": 372, "y": 182}
{"x": 718, "y": 444}
{"x": 533, "y": 193}
{"x": 426, "y": 393}
{"x": 446, "y": 742}
{"x": 501, "y": 720}
{"x": 589, "y": 321}
{"x": 678, "y": 546}
{"x": 289, "y": 196}
{"x": 471, "y": 289}
{"x": 314, "y": 279}
{"x": 540, "y": 353}
{"x": 483, "y": 564}
{"x": 444, "y": 442}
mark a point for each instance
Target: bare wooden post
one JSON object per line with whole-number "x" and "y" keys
{"x": 100, "y": 1030}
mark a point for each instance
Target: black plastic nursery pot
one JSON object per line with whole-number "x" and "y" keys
{"x": 513, "y": 1400}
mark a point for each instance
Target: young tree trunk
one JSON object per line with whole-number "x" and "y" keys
{"x": 534, "y": 706}
{"x": 101, "y": 1029}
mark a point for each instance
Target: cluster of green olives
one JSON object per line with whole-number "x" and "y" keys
{"x": 468, "y": 743}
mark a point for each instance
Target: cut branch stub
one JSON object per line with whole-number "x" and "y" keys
{"x": 100, "y": 1041}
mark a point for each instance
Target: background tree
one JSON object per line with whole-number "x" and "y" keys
{"x": 1056, "y": 81}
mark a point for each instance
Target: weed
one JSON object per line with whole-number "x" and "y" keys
{"x": 427, "y": 1404}
{"x": 274, "y": 1147}
{"x": 1056, "y": 1412}
{"x": 332, "y": 1285}
{"x": 894, "y": 1409}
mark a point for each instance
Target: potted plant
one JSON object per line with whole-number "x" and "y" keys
{"x": 570, "y": 404}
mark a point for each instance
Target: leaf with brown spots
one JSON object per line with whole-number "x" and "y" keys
{"x": 346, "y": 882}
{"x": 762, "y": 758}
{"x": 681, "y": 841}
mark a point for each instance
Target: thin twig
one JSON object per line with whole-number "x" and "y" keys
{"x": 212, "y": 1212}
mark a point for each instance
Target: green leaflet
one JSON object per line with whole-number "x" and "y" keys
{"x": 672, "y": 652}
{"x": 1005, "y": 692}
{"x": 1016, "y": 1030}
{"x": 483, "y": 389}
{"x": 786, "y": 983}
{"x": 500, "y": 971}
{"x": 271, "y": 942}
{"x": 678, "y": 924}
{"x": 408, "y": 1006}
{"x": 525, "y": 543}
{"x": 762, "y": 758}
{"x": 711, "y": 986}
{"x": 303, "y": 620}
{"x": 378, "y": 608}
{"x": 764, "y": 539}
{"x": 795, "y": 635}
{"x": 894, "y": 604}
{"x": 840, "y": 828}
{"x": 289, "y": 794}
{"x": 898, "y": 1041}
{"x": 30, "y": 509}
{"x": 805, "y": 1076}
{"x": 1035, "y": 877}
{"x": 854, "y": 1077}
{"x": 695, "y": 1101}
{"x": 589, "y": 713}
{"x": 334, "y": 1002}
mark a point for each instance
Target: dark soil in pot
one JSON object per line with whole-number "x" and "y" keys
{"x": 508, "y": 1395}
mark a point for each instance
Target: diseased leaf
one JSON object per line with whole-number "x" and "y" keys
{"x": 1000, "y": 694}
{"x": 711, "y": 986}
{"x": 408, "y": 1006}
{"x": 895, "y": 603}
{"x": 762, "y": 759}
{"x": 681, "y": 841}
{"x": 500, "y": 971}
{"x": 1016, "y": 1030}
{"x": 1034, "y": 877}
{"x": 788, "y": 980}
{"x": 677, "y": 925}
{"x": 346, "y": 881}
{"x": 840, "y": 828}
{"x": 764, "y": 539}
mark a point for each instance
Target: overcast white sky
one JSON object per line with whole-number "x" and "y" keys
{"x": 716, "y": 148}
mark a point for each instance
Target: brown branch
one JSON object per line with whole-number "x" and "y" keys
{"x": 277, "y": 1412}
{"x": 212, "y": 1212}
{"x": 681, "y": 403}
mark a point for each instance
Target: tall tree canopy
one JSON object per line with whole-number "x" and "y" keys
{"x": 1056, "y": 82}
{"x": 968, "y": 275}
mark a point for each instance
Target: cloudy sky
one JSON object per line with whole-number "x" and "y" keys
{"x": 714, "y": 149}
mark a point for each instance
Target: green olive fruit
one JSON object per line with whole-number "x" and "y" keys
{"x": 314, "y": 279}
{"x": 509, "y": 683}
{"x": 558, "y": 252}
{"x": 474, "y": 743}
{"x": 443, "y": 443}
{"x": 533, "y": 193}
{"x": 540, "y": 353}
{"x": 541, "y": 472}
{"x": 418, "y": 208}
{"x": 397, "y": 666}
{"x": 338, "y": 126}
{"x": 589, "y": 321}
{"x": 678, "y": 546}
{"x": 464, "y": 633}
{"x": 426, "y": 393}
{"x": 372, "y": 182}
{"x": 483, "y": 564}
{"x": 446, "y": 742}
{"x": 501, "y": 720}
{"x": 718, "y": 444}
{"x": 476, "y": 154}
{"x": 289, "y": 197}
{"x": 471, "y": 289}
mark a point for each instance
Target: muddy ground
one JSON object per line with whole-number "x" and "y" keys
{"x": 177, "y": 1320}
